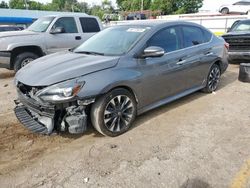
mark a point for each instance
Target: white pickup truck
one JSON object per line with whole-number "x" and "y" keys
{"x": 46, "y": 35}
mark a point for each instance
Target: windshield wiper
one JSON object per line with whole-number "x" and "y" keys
{"x": 91, "y": 53}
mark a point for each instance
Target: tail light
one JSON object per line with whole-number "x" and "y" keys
{"x": 227, "y": 45}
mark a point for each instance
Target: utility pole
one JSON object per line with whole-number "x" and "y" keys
{"x": 141, "y": 5}
{"x": 26, "y": 5}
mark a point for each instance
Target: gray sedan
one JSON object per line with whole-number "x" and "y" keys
{"x": 117, "y": 74}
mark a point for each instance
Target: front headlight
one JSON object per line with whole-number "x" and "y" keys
{"x": 60, "y": 92}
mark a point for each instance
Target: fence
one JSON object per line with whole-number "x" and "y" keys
{"x": 216, "y": 23}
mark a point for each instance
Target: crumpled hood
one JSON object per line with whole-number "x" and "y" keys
{"x": 62, "y": 66}
{"x": 17, "y": 33}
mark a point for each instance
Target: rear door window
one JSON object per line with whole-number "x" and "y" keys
{"x": 192, "y": 36}
{"x": 89, "y": 25}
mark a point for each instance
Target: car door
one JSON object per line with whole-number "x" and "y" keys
{"x": 89, "y": 26}
{"x": 69, "y": 38}
{"x": 163, "y": 76}
{"x": 199, "y": 55}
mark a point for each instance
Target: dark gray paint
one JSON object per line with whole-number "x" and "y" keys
{"x": 154, "y": 81}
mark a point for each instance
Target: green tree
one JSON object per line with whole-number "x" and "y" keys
{"x": 133, "y": 5}
{"x": 3, "y": 4}
{"x": 33, "y": 5}
{"x": 17, "y": 4}
{"x": 177, "y": 6}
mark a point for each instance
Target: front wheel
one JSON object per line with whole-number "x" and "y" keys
{"x": 225, "y": 11}
{"x": 213, "y": 79}
{"x": 113, "y": 113}
{"x": 23, "y": 59}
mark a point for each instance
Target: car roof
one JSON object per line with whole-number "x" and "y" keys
{"x": 8, "y": 26}
{"x": 154, "y": 23}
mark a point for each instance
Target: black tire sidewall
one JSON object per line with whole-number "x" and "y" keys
{"x": 97, "y": 112}
{"x": 207, "y": 89}
{"x": 19, "y": 59}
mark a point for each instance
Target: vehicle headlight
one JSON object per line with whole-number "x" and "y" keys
{"x": 60, "y": 92}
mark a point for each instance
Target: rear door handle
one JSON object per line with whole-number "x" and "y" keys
{"x": 78, "y": 38}
{"x": 209, "y": 53}
{"x": 181, "y": 62}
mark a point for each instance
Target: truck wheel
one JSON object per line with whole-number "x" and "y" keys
{"x": 23, "y": 59}
{"x": 113, "y": 113}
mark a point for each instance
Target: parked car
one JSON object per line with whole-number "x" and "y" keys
{"x": 111, "y": 79}
{"x": 238, "y": 38}
{"x": 136, "y": 16}
{"x": 241, "y": 7}
{"x": 4, "y": 28}
{"x": 46, "y": 35}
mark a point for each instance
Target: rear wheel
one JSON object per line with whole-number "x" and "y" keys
{"x": 23, "y": 59}
{"x": 225, "y": 11}
{"x": 213, "y": 79}
{"x": 113, "y": 113}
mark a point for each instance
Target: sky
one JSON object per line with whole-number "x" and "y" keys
{"x": 212, "y": 5}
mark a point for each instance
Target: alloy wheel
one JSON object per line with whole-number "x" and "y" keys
{"x": 214, "y": 78}
{"x": 118, "y": 113}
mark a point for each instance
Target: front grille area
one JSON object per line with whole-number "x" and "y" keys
{"x": 25, "y": 94}
{"x": 28, "y": 121}
{"x": 238, "y": 42}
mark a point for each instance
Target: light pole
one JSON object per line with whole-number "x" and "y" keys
{"x": 26, "y": 5}
{"x": 141, "y": 5}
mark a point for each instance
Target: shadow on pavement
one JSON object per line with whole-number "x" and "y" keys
{"x": 195, "y": 183}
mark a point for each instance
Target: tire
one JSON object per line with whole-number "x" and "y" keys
{"x": 225, "y": 11}
{"x": 113, "y": 113}
{"x": 213, "y": 79}
{"x": 23, "y": 59}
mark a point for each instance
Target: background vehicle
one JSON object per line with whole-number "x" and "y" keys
{"x": 136, "y": 16}
{"x": 10, "y": 28}
{"x": 46, "y": 35}
{"x": 111, "y": 79}
{"x": 239, "y": 7}
{"x": 238, "y": 38}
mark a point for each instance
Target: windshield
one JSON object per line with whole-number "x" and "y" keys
{"x": 113, "y": 41}
{"x": 241, "y": 26}
{"x": 41, "y": 25}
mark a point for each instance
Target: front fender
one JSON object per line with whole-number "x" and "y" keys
{"x": 101, "y": 82}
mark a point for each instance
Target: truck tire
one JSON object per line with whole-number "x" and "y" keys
{"x": 23, "y": 59}
{"x": 244, "y": 74}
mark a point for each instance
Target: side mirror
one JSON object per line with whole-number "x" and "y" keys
{"x": 57, "y": 30}
{"x": 153, "y": 51}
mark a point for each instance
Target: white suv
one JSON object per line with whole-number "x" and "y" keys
{"x": 239, "y": 7}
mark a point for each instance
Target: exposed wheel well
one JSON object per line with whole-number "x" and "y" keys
{"x": 16, "y": 51}
{"x": 218, "y": 63}
{"x": 127, "y": 88}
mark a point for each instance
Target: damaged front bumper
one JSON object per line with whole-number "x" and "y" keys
{"x": 45, "y": 119}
